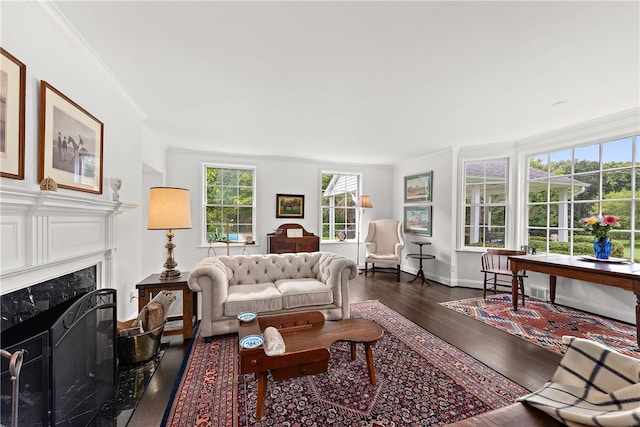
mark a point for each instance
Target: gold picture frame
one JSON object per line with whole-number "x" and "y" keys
{"x": 289, "y": 206}
{"x": 71, "y": 143}
{"x": 13, "y": 77}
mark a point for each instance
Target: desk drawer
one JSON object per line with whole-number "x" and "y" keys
{"x": 252, "y": 360}
{"x": 303, "y": 369}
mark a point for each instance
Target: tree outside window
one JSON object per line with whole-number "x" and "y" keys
{"x": 567, "y": 185}
{"x": 229, "y": 203}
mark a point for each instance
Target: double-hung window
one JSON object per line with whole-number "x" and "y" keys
{"x": 579, "y": 182}
{"x": 339, "y": 195}
{"x": 229, "y": 203}
{"x": 485, "y": 203}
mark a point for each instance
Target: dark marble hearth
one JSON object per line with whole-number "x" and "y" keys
{"x": 26, "y": 303}
{"x": 131, "y": 384}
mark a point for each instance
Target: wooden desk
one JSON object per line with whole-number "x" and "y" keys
{"x": 623, "y": 276}
{"x": 150, "y": 286}
{"x": 307, "y": 338}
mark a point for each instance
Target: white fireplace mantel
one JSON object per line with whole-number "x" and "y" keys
{"x": 47, "y": 234}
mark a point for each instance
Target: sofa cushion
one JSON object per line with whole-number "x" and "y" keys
{"x": 259, "y": 297}
{"x": 252, "y": 269}
{"x": 303, "y": 292}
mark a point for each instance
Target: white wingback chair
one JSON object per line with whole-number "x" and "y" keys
{"x": 384, "y": 243}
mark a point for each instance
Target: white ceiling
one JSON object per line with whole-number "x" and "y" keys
{"x": 373, "y": 82}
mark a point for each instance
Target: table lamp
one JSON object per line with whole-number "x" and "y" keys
{"x": 364, "y": 202}
{"x": 169, "y": 210}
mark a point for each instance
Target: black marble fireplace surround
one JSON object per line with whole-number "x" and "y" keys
{"x": 68, "y": 329}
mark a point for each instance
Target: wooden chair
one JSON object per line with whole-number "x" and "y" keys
{"x": 497, "y": 272}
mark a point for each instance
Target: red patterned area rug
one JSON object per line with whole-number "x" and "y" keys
{"x": 422, "y": 380}
{"x": 544, "y": 324}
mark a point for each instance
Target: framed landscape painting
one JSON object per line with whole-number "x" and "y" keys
{"x": 71, "y": 143}
{"x": 417, "y": 220}
{"x": 12, "y": 113}
{"x": 289, "y": 206}
{"x": 417, "y": 188}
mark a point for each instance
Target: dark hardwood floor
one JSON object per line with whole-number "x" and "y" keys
{"x": 522, "y": 362}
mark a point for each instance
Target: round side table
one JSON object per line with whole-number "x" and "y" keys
{"x": 420, "y": 257}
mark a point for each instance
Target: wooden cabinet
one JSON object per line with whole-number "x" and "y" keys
{"x": 292, "y": 238}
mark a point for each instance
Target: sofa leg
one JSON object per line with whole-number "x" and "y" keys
{"x": 208, "y": 339}
{"x": 398, "y": 273}
{"x": 366, "y": 267}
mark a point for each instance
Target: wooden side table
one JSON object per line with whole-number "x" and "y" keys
{"x": 420, "y": 257}
{"x": 150, "y": 286}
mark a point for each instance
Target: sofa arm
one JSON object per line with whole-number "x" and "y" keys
{"x": 209, "y": 277}
{"x": 332, "y": 266}
{"x": 336, "y": 271}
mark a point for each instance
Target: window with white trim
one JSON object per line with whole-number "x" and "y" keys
{"x": 229, "y": 198}
{"x": 339, "y": 194}
{"x": 485, "y": 203}
{"x": 582, "y": 181}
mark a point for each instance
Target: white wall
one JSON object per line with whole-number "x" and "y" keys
{"x": 442, "y": 244}
{"x": 273, "y": 175}
{"x": 37, "y": 37}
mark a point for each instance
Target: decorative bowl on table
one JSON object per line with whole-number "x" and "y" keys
{"x": 247, "y": 316}
{"x": 251, "y": 341}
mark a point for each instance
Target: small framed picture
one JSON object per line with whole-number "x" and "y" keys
{"x": 289, "y": 206}
{"x": 71, "y": 143}
{"x": 417, "y": 220}
{"x": 417, "y": 188}
{"x": 13, "y": 77}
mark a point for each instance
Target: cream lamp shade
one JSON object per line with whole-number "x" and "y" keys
{"x": 169, "y": 210}
{"x": 364, "y": 202}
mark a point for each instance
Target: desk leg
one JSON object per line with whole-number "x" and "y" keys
{"x": 353, "y": 351}
{"x": 262, "y": 393}
{"x": 143, "y": 298}
{"x": 187, "y": 313}
{"x": 552, "y": 289}
{"x": 370, "y": 366}
{"x": 638, "y": 319}
{"x": 514, "y": 290}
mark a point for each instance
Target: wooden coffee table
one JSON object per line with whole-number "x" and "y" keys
{"x": 307, "y": 338}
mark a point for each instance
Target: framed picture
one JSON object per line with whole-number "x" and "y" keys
{"x": 71, "y": 143}
{"x": 289, "y": 206}
{"x": 417, "y": 188}
{"x": 417, "y": 220}
{"x": 13, "y": 77}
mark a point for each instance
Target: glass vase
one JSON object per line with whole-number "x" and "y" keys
{"x": 602, "y": 247}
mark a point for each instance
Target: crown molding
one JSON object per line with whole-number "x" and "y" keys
{"x": 614, "y": 125}
{"x": 75, "y": 39}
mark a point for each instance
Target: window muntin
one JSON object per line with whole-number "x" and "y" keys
{"x": 229, "y": 203}
{"x": 485, "y": 203}
{"x": 339, "y": 193}
{"x": 568, "y": 185}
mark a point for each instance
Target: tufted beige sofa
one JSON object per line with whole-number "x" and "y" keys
{"x": 268, "y": 284}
